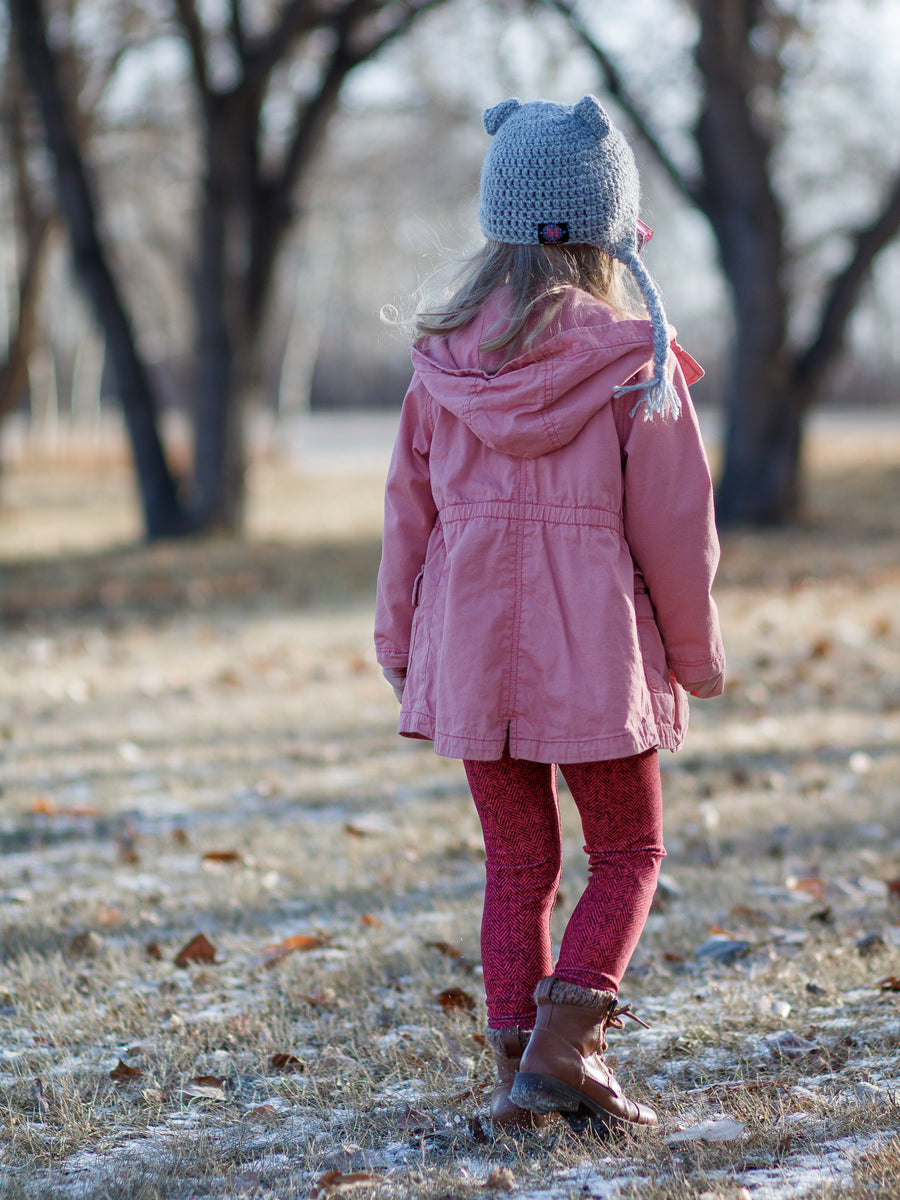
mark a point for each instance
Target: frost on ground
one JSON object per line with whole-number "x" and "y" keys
{"x": 197, "y": 741}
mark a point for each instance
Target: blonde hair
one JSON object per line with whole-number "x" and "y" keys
{"x": 539, "y": 277}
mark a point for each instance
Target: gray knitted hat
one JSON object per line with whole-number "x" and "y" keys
{"x": 556, "y": 173}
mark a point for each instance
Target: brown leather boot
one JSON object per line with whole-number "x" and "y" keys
{"x": 562, "y": 1069}
{"x": 507, "y": 1044}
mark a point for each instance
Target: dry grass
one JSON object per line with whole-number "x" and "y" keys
{"x": 197, "y": 738}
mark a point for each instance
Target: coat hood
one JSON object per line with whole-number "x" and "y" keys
{"x": 540, "y": 400}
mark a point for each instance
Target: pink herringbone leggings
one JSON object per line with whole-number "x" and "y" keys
{"x": 620, "y": 804}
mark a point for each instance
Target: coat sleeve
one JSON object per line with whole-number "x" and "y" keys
{"x": 409, "y": 516}
{"x": 670, "y": 529}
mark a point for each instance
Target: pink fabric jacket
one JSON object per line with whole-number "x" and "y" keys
{"x": 547, "y": 557}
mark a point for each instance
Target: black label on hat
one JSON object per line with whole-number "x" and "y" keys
{"x": 553, "y": 233}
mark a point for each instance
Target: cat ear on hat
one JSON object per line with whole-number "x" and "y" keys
{"x": 494, "y": 117}
{"x": 592, "y": 114}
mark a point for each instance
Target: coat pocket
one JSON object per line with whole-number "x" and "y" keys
{"x": 653, "y": 653}
{"x": 417, "y": 588}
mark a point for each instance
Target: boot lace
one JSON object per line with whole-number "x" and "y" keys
{"x": 615, "y": 1015}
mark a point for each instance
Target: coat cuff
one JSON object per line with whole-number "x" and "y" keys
{"x": 390, "y": 656}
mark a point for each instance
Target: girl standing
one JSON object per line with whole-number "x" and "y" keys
{"x": 544, "y": 591}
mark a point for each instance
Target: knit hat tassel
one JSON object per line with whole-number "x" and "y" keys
{"x": 659, "y": 395}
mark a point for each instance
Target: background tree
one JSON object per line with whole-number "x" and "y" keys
{"x": 32, "y": 222}
{"x": 250, "y": 192}
{"x": 743, "y": 66}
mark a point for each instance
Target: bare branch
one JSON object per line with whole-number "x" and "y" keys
{"x": 843, "y": 294}
{"x": 312, "y": 114}
{"x": 186, "y": 11}
{"x": 618, "y": 89}
{"x": 238, "y": 32}
{"x": 297, "y": 17}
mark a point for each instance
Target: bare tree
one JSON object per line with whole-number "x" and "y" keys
{"x": 774, "y": 381}
{"x": 32, "y": 222}
{"x": 249, "y": 196}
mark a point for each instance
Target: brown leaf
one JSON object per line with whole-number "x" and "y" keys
{"x": 890, "y": 983}
{"x": 821, "y": 648}
{"x": 109, "y": 916}
{"x": 127, "y": 848}
{"x": 272, "y": 955}
{"x": 198, "y": 950}
{"x": 454, "y": 997}
{"x": 357, "y": 830}
{"x": 286, "y": 1062}
{"x": 811, "y": 885}
{"x": 121, "y": 1071}
{"x": 445, "y": 948}
{"x": 44, "y": 806}
{"x": 372, "y": 922}
{"x": 153, "y": 950}
{"x": 265, "y": 1113}
{"x": 412, "y": 1121}
{"x": 320, "y": 998}
{"x": 204, "y": 1087}
{"x": 223, "y": 856}
{"x": 337, "y": 1181}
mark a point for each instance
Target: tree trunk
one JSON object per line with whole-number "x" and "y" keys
{"x": 14, "y": 372}
{"x": 219, "y": 452}
{"x": 163, "y": 514}
{"x": 760, "y": 479}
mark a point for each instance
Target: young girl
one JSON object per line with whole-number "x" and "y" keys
{"x": 544, "y": 591}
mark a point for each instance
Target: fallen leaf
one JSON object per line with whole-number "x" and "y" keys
{"x": 357, "y": 830}
{"x": 412, "y": 1121}
{"x": 890, "y": 983}
{"x": 267, "y": 1114}
{"x": 454, "y": 997}
{"x": 223, "y": 856}
{"x": 204, "y": 1087}
{"x": 121, "y": 1071}
{"x": 872, "y": 943}
{"x": 286, "y": 1062}
{"x": 109, "y": 916}
{"x": 153, "y": 950}
{"x": 372, "y": 922}
{"x": 198, "y": 950}
{"x": 320, "y": 998}
{"x": 87, "y": 944}
{"x": 788, "y": 1044}
{"x": 272, "y": 955}
{"x": 44, "y": 806}
{"x": 811, "y": 885}
{"x": 723, "y": 948}
{"x": 127, "y": 849}
{"x": 337, "y": 1181}
{"x": 446, "y": 949}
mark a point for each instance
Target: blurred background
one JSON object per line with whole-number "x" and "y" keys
{"x": 205, "y": 204}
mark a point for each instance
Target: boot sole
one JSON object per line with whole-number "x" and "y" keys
{"x": 544, "y": 1094}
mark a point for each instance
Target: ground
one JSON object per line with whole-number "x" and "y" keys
{"x": 197, "y": 740}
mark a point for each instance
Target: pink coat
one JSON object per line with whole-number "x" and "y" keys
{"x": 548, "y": 557}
